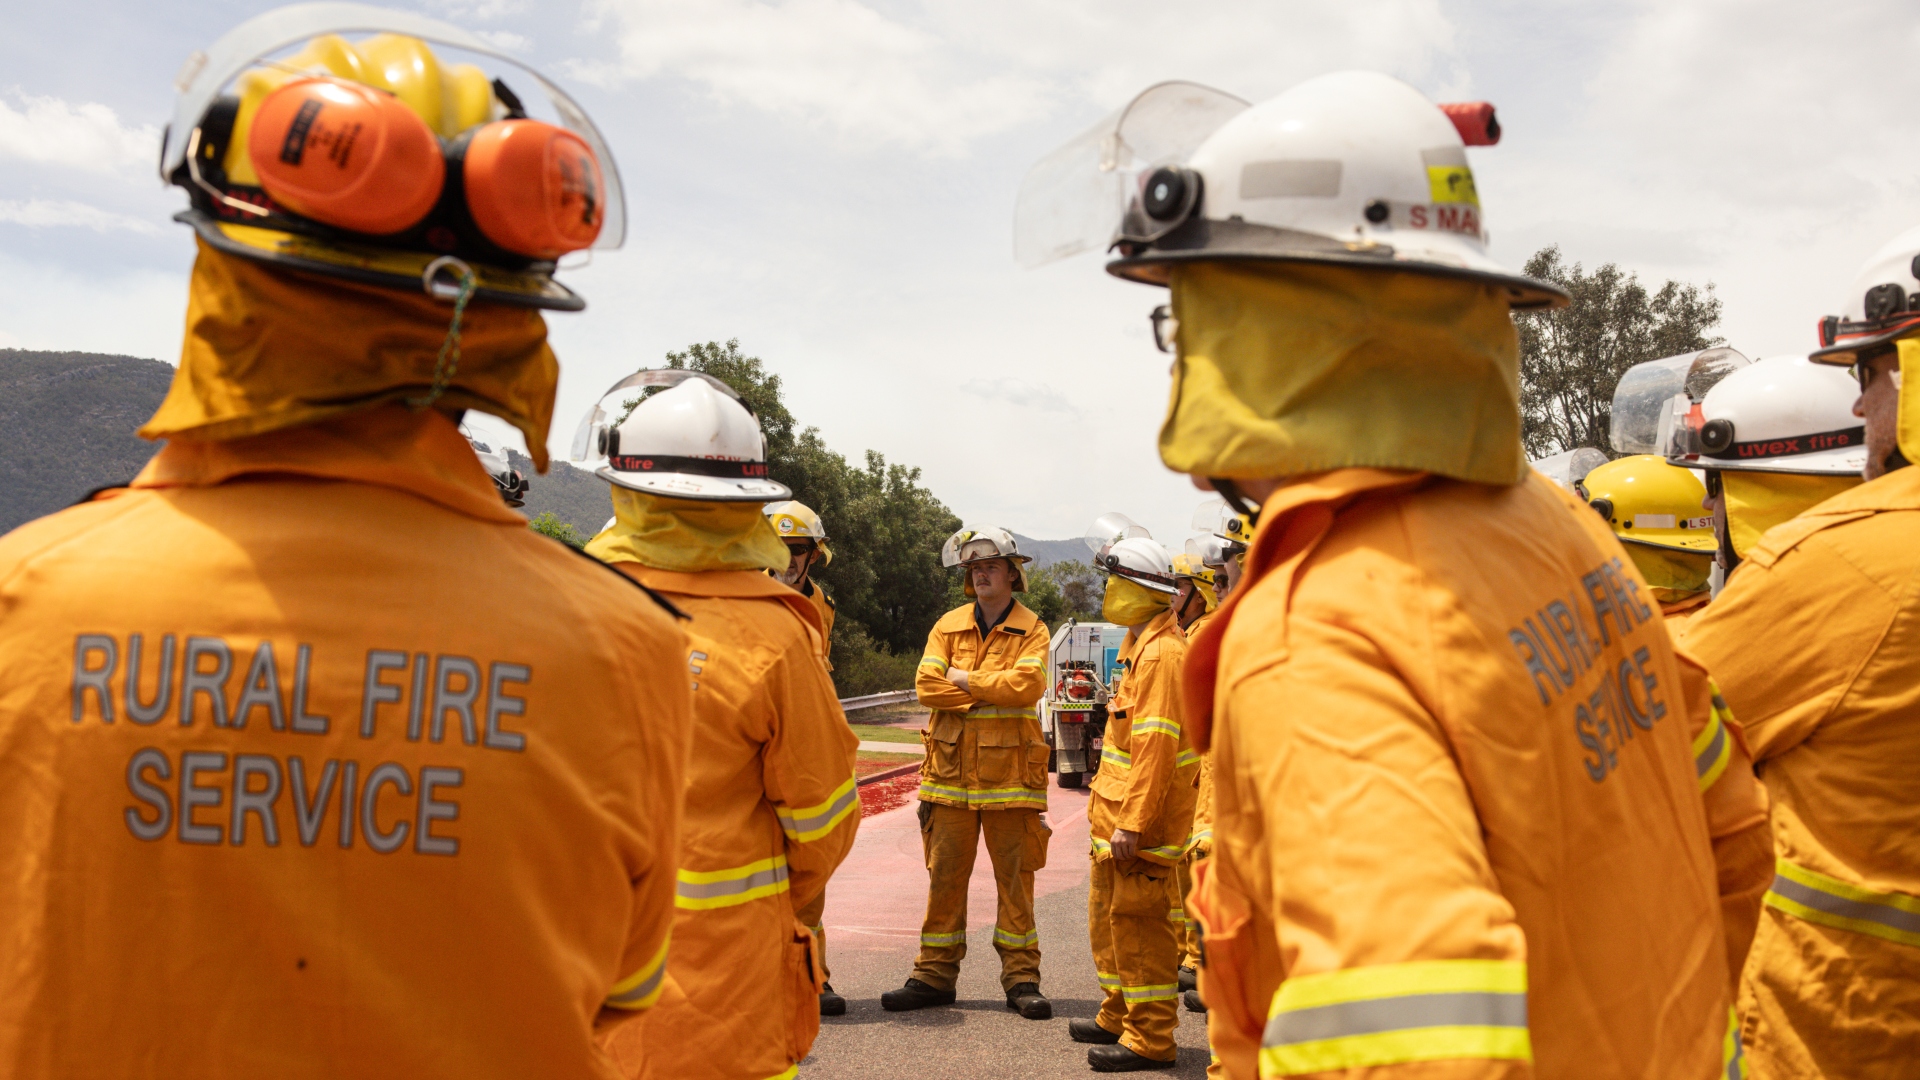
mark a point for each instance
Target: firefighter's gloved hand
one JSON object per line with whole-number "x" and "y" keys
{"x": 958, "y": 677}
{"x": 1125, "y": 844}
{"x": 926, "y": 814}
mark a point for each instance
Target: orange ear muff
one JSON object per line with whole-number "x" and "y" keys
{"x": 346, "y": 155}
{"x": 533, "y": 188}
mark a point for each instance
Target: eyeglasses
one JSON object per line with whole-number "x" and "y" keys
{"x": 1166, "y": 328}
{"x": 1862, "y": 368}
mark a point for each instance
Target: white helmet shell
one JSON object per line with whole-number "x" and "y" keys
{"x": 1779, "y": 414}
{"x": 691, "y": 441}
{"x": 1882, "y": 305}
{"x": 1355, "y": 168}
{"x": 1143, "y": 561}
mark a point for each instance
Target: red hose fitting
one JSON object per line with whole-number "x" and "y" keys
{"x": 1475, "y": 122}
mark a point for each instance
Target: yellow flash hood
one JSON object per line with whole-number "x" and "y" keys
{"x": 1907, "y": 425}
{"x": 1672, "y": 574}
{"x": 1130, "y": 604}
{"x": 1757, "y": 501}
{"x": 688, "y": 535}
{"x": 270, "y": 349}
{"x": 1292, "y": 368}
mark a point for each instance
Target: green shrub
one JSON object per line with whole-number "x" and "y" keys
{"x": 864, "y": 666}
{"x": 551, "y": 526}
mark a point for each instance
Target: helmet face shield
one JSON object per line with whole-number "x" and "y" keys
{"x": 1108, "y": 530}
{"x": 1644, "y": 395}
{"x": 1779, "y": 414}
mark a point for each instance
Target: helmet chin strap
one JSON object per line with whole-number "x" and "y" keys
{"x": 1230, "y": 491}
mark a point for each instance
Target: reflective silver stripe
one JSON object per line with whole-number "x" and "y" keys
{"x": 1378, "y": 1015}
{"x": 943, "y": 939}
{"x": 800, "y": 828}
{"x": 1906, "y": 922}
{"x": 1015, "y": 941}
{"x": 1166, "y": 992}
{"x": 707, "y": 890}
{"x": 1706, "y": 759}
{"x": 641, "y": 991}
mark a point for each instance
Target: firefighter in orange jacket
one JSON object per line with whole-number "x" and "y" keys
{"x": 1139, "y": 816}
{"x": 985, "y": 774}
{"x": 1474, "y": 817}
{"x": 1808, "y": 639}
{"x": 805, "y": 535}
{"x": 300, "y": 779}
{"x": 1192, "y": 606}
{"x": 771, "y": 805}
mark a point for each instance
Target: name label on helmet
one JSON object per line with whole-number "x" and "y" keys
{"x": 1799, "y": 444}
{"x": 294, "y": 146}
{"x": 665, "y": 463}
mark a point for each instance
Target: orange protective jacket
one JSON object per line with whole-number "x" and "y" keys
{"x": 1149, "y": 770}
{"x": 1813, "y": 642}
{"x": 1679, "y": 613}
{"x": 1458, "y": 814}
{"x": 317, "y": 762}
{"x": 984, "y": 747}
{"x": 1200, "y": 839}
{"x": 771, "y": 810}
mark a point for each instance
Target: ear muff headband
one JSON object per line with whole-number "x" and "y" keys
{"x": 355, "y": 158}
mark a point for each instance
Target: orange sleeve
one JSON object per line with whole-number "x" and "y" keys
{"x": 665, "y": 709}
{"x": 808, "y": 770}
{"x": 1020, "y": 685}
{"x": 1736, "y": 809}
{"x": 1153, "y": 734}
{"x": 930, "y": 678}
{"x": 1354, "y": 774}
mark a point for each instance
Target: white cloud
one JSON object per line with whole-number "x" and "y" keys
{"x": 89, "y": 136}
{"x": 506, "y": 40}
{"x": 482, "y": 10}
{"x": 42, "y": 213}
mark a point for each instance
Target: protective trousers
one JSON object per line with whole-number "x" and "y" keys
{"x": 1186, "y": 930}
{"x": 1136, "y": 950}
{"x": 1017, "y": 844}
{"x": 813, "y": 917}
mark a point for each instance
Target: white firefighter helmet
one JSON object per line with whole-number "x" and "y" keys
{"x": 506, "y": 479}
{"x": 1779, "y": 414}
{"x": 692, "y": 440}
{"x": 1143, "y": 561}
{"x": 978, "y": 543}
{"x": 1108, "y": 530}
{"x": 1233, "y": 528}
{"x": 1646, "y": 392}
{"x": 1569, "y": 468}
{"x": 797, "y": 521}
{"x": 1355, "y": 169}
{"x": 1882, "y": 305}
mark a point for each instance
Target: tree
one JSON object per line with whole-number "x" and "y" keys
{"x": 550, "y": 525}
{"x": 1062, "y": 591}
{"x": 1571, "y": 359}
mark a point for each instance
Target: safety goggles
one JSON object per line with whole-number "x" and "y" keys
{"x": 1862, "y": 368}
{"x": 1166, "y": 328}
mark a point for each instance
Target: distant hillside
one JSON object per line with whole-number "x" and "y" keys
{"x": 66, "y": 426}
{"x": 1047, "y": 552}
{"x": 573, "y": 495}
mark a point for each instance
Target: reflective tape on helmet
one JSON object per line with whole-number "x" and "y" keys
{"x": 1391, "y": 1014}
{"x": 1713, "y": 747}
{"x": 704, "y": 890}
{"x": 1155, "y": 725}
{"x": 1016, "y": 941}
{"x": 1817, "y": 898}
{"x": 668, "y": 463}
{"x": 810, "y": 823}
{"x": 642, "y": 988}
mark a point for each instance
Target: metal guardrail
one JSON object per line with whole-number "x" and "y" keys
{"x": 891, "y": 697}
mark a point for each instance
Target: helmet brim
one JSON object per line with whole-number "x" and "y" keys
{"x": 385, "y": 267}
{"x": 1848, "y": 460}
{"x": 1845, "y": 354}
{"x": 696, "y": 487}
{"x": 1705, "y": 545}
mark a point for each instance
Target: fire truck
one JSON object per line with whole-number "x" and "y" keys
{"x": 1083, "y": 666}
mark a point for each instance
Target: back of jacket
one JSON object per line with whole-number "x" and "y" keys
{"x": 313, "y": 777}
{"x": 771, "y": 810}
{"x": 1149, "y": 772}
{"x": 984, "y": 746}
{"x": 1458, "y": 796}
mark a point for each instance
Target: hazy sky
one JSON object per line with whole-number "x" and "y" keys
{"x": 832, "y": 182}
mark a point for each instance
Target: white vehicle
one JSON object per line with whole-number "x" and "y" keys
{"x": 1083, "y": 669}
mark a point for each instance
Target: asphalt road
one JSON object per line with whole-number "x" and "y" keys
{"x": 874, "y": 906}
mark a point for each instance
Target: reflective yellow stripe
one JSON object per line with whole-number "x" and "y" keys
{"x": 792, "y": 1072}
{"x": 704, "y": 890}
{"x": 986, "y": 796}
{"x": 942, "y": 940}
{"x": 1177, "y": 915}
{"x": 1390, "y": 1014}
{"x": 1185, "y": 758}
{"x": 1733, "y": 1061}
{"x": 1029, "y": 661}
{"x": 642, "y": 988}
{"x": 990, "y": 712}
{"x": 1101, "y": 847}
{"x": 1016, "y": 941}
{"x": 1108, "y": 978}
{"x": 1166, "y": 992}
{"x": 1200, "y": 836}
{"x": 1118, "y": 758}
{"x": 933, "y": 661}
{"x": 1155, "y": 725}
{"x": 1817, "y": 898}
{"x": 813, "y": 822}
{"x": 1170, "y": 852}
{"x": 1713, "y": 747}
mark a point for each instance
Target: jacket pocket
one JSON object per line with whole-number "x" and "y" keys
{"x": 942, "y": 742}
{"x": 806, "y": 978}
{"x": 1037, "y": 754}
{"x": 1003, "y": 752}
{"x": 1039, "y": 837}
{"x": 1226, "y": 950}
{"x": 1143, "y": 889}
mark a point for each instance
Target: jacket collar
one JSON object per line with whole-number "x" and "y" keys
{"x": 1019, "y": 622}
{"x": 1897, "y": 490}
{"x": 1157, "y": 627}
{"x": 725, "y": 585}
{"x": 421, "y": 453}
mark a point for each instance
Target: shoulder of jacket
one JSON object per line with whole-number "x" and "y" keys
{"x": 960, "y": 618}
{"x": 1790, "y": 534}
{"x": 664, "y": 604}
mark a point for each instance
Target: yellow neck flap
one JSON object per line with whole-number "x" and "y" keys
{"x": 688, "y": 535}
{"x": 1757, "y": 501}
{"x": 1128, "y": 603}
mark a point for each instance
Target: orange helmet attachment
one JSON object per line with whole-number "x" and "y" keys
{"x": 374, "y": 161}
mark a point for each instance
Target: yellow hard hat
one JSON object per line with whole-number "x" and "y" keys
{"x": 1189, "y": 566}
{"x": 1647, "y": 501}
{"x": 795, "y": 520}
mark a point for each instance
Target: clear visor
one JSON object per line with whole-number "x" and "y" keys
{"x": 1209, "y": 549}
{"x": 1641, "y": 398}
{"x": 1680, "y": 423}
{"x": 1108, "y": 530}
{"x": 1571, "y": 467}
{"x": 208, "y": 72}
{"x": 1073, "y": 199}
{"x": 972, "y": 545}
{"x": 590, "y": 438}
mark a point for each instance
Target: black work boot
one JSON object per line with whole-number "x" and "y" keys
{"x": 1090, "y": 1031}
{"x": 1188, "y": 979}
{"x": 1120, "y": 1059}
{"x": 914, "y": 995}
{"x": 1191, "y": 999}
{"x": 831, "y": 1004}
{"x": 1027, "y": 1000}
